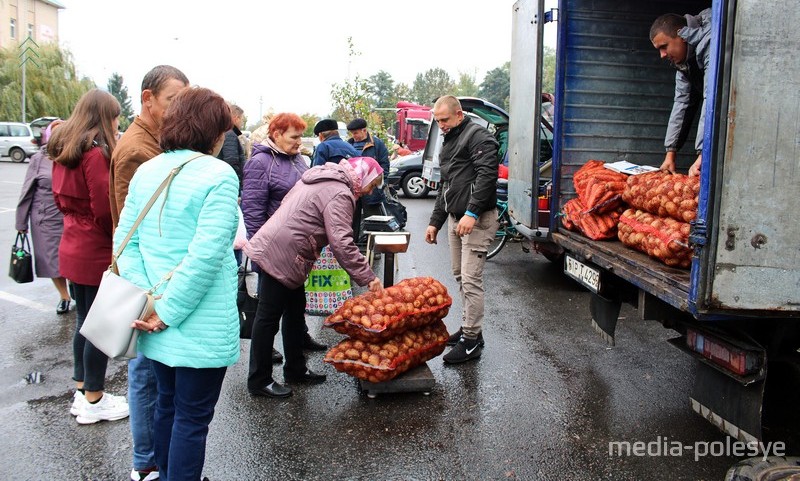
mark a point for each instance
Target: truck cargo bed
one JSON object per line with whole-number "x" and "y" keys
{"x": 668, "y": 283}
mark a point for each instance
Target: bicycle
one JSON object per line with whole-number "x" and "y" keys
{"x": 506, "y": 231}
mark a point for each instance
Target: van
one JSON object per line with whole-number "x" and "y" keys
{"x": 17, "y": 141}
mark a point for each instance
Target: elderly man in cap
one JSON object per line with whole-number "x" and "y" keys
{"x": 331, "y": 148}
{"x": 368, "y": 145}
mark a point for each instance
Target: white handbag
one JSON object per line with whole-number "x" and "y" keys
{"x": 119, "y": 302}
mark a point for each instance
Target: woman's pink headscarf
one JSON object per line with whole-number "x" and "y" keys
{"x": 48, "y": 131}
{"x": 363, "y": 170}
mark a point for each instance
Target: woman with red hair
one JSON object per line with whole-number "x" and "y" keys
{"x": 274, "y": 168}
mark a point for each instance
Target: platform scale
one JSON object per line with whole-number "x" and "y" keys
{"x": 420, "y": 378}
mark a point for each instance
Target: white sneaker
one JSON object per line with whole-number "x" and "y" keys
{"x": 78, "y": 403}
{"x": 108, "y": 408}
{"x": 144, "y": 475}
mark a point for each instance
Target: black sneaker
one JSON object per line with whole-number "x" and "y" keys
{"x": 465, "y": 350}
{"x": 453, "y": 339}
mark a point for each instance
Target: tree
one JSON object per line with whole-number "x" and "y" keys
{"x": 310, "y": 120}
{"x": 402, "y": 92}
{"x": 496, "y": 86}
{"x": 381, "y": 89}
{"x": 431, "y": 85}
{"x": 466, "y": 86}
{"x": 52, "y": 88}
{"x": 350, "y": 99}
{"x": 548, "y": 69}
{"x": 383, "y": 96}
{"x": 117, "y": 88}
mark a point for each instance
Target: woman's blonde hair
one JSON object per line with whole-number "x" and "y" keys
{"x": 90, "y": 125}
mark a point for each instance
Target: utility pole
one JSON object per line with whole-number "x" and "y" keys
{"x": 25, "y": 47}
{"x": 260, "y": 107}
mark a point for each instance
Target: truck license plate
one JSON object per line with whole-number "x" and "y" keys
{"x": 588, "y": 276}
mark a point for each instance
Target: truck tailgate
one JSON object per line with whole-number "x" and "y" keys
{"x": 669, "y": 284}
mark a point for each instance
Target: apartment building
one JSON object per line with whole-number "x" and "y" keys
{"x": 20, "y": 19}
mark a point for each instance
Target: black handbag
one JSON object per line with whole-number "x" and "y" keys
{"x": 21, "y": 267}
{"x": 247, "y": 299}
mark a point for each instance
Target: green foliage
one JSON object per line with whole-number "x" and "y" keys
{"x": 350, "y": 100}
{"x": 383, "y": 96}
{"x": 53, "y": 88}
{"x": 496, "y": 87}
{"x": 311, "y": 120}
{"x": 549, "y": 70}
{"x": 117, "y": 88}
{"x": 431, "y": 85}
{"x": 466, "y": 86}
{"x": 402, "y": 92}
{"x": 381, "y": 89}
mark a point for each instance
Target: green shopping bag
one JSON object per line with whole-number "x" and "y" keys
{"x": 327, "y": 285}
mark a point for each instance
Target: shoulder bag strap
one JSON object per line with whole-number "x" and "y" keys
{"x": 164, "y": 185}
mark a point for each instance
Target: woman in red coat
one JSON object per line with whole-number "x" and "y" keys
{"x": 81, "y": 149}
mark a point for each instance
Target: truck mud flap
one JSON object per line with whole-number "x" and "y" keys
{"x": 605, "y": 313}
{"x": 729, "y": 405}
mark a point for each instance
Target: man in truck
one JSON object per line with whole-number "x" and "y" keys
{"x": 467, "y": 200}
{"x": 684, "y": 40}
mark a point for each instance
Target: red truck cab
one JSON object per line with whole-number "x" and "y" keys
{"x": 411, "y": 127}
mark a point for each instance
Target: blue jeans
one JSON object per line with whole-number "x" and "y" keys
{"x": 89, "y": 362}
{"x": 184, "y": 409}
{"x": 142, "y": 392}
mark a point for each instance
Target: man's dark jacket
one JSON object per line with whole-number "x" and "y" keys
{"x": 333, "y": 149}
{"x": 468, "y": 162}
{"x": 233, "y": 153}
{"x": 375, "y": 148}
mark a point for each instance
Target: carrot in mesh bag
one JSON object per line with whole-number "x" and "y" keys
{"x": 593, "y": 225}
{"x": 664, "y": 194}
{"x": 664, "y": 238}
{"x": 410, "y": 304}
{"x": 598, "y": 188}
{"x": 385, "y": 360}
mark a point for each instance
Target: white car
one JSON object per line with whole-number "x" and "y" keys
{"x": 17, "y": 141}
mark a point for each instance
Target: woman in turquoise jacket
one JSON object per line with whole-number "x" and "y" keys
{"x": 193, "y": 336}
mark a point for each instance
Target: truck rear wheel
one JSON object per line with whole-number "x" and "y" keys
{"x": 774, "y": 468}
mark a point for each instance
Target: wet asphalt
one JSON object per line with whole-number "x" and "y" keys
{"x": 542, "y": 403}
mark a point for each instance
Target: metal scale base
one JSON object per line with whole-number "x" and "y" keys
{"x": 419, "y": 379}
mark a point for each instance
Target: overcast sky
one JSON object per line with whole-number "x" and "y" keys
{"x": 283, "y": 55}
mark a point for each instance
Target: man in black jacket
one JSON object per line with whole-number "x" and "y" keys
{"x": 467, "y": 200}
{"x": 232, "y": 151}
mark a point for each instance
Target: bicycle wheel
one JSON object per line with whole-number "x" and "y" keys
{"x": 500, "y": 238}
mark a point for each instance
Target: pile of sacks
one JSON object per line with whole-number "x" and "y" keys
{"x": 662, "y": 204}
{"x": 595, "y": 212}
{"x": 391, "y": 332}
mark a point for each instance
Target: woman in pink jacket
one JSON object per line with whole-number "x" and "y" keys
{"x": 317, "y": 212}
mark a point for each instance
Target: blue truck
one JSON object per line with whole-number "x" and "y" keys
{"x": 736, "y": 311}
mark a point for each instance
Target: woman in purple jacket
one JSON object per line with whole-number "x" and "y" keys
{"x": 272, "y": 171}
{"x": 37, "y": 207}
{"x": 317, "y": 212}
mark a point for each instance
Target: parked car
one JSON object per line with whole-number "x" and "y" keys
{"x": 405, "y": 173}
{"x": 17, "y": 141}
{"x": 495, "y": 119}
{"x": 38, "y": 126}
